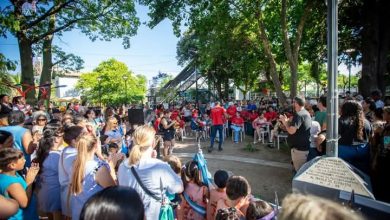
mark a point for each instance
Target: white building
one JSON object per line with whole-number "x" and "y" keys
{"x": 66, "y": 85}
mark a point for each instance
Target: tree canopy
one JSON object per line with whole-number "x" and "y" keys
{"x": 101, "y": 20}
{"x": 108, "y": 82}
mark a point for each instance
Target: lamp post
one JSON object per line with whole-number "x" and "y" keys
{"x": 332, "y": 96}
{"x": 100, "y": 90}
{"x": 124, "y": 77}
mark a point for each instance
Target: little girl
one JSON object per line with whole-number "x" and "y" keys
{"x": 195, "y": 193}
{"x": 90, "y": 175}
{"x": 12, "y": 185}
{"x": 258, "y": 125}
{"x": 48, "y": 185}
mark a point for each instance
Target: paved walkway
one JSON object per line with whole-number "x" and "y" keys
{"x": 240, "y": 159}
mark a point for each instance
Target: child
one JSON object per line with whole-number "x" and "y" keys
{"x": 65, "y": 163}
{"x": 195, "y": 194}
{"x": 113, "y": 149}
{"x": 237, "y": 191}
{"x": 258, "y": 124}
{"x": 220, "y": 180}
{"x": 48, "y": 186}
{"x": 174, "y": 162}
{"x": 89, "y": 175}
{"x": 260, "y": 210}
{"x": 12, "y": 185}
{"x": 315, "y": 129}
{"x": 175, "y": 199}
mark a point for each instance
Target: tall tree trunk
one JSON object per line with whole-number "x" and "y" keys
{"x": 218, "y": 85}
{"x": 272, "y": 63}
{"x": 226, "y": 91}
{"x": 294, "y": 80}
{"x": 292, "y": 51}
{"x": 376, "y": 38}
{"x": 26, "y": 61}
{"x": 47, "y": 60}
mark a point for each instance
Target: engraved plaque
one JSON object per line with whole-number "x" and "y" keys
{"x": 334, "y": 173}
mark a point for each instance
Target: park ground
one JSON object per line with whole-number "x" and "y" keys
{"x": 268, "y": 170}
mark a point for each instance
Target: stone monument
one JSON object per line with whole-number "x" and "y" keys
{"x": 335, "y": 179}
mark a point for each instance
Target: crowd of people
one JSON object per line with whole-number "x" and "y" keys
{"x": 85, "y": 163}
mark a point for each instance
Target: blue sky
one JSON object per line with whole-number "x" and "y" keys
{"x": 151, "y": 51}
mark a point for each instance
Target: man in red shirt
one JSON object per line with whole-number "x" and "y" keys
{"x": 231, "y": 112}
{"x": 217, "y": 120}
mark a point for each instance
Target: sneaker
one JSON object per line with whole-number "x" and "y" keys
{"x": 210, "y": 150}
{"x": 220, "y": 149}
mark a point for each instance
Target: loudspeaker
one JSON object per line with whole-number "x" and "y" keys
{"x": 136, "y": 116}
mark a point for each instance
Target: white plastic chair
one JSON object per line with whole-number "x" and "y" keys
{"x": 278, "y": 136}
{"x": 263, "y": 132}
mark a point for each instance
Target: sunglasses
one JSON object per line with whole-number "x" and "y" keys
{"x": 42, "y": 119}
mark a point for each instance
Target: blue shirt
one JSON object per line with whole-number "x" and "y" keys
{"x": 30, "y": 212}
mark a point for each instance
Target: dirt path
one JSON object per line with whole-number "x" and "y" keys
{"x": 267, "y": 169}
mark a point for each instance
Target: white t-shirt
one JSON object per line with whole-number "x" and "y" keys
{"x": 152, "y": 173}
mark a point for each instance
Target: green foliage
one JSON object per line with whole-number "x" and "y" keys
{"x": 250, "y": 148}
{"x": 107, "y": 83}
{"x": 343, "y": 82}
{"x": 6, "y": 65}
{"x": 102, "y": 20}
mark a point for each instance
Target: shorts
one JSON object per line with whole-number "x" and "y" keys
{"x": 187, "y": 118}
{"x": 169, "y": 135}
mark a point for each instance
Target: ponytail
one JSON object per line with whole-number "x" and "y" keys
{"x": 143, "y": 137}
{"x": 136, "y": 154}
{"x": 85, "y": 144}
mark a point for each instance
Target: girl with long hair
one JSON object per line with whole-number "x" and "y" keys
{"x": 65, "y": 163}
{"x": 354, "y": 131}
{"x": 153, "y": 174}
{"x": 90, "y": 175}
{"x": 194, "y": 192}
{"x": 48, "y": 185}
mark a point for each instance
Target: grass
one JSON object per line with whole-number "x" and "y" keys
{"x": 250, "y": 148}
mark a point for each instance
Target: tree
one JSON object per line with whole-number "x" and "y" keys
{"x": 6, "y": 79}
{"x": 110, "y": 88}
{"x": 102, "y": 20}
{"x": 278, "y": 28}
